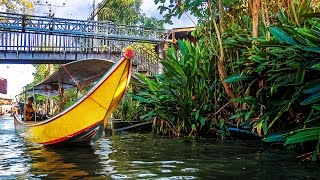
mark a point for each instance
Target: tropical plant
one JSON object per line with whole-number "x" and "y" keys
{"x": 128, "y": 109}
{"x": 182, "y": 98}
{"x": 281, "y": 76}
{"x": 268, "y": 68}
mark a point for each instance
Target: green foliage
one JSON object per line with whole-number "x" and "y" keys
{"x": 127, "y": 12}
{"x": 16, "y": 6}
{"x": 150, "y": 22}
{"x": 274, "y": 77}
{"x": 70, "y": 96}
{"x": 236, "y": 78}
{"x": 181, "y": 96}
{"x": 129, "y": 109}
{"x": 120, "y": 11}
{"x": 146, "y": 50}
{"x": 274, "y": 138}
{"x": 303, "y": 135}
{"x": 287, "y": 88}
{"x": 282, "y": 36}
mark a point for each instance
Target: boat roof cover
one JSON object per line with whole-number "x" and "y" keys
{"x": 71, "y": 75}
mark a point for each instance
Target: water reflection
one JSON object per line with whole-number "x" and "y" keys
{"x": 64, "y": 162}
{"x": 146, "y": 156}
{"x": 138, "y": 156}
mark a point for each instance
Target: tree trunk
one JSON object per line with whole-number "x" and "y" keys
{"x": 265, "y": 17}
{"x": 222, "y": 75}
{"x": 221, "y": 16}
{"x": 220, "y": 65}
{"x": 254, "y": 6}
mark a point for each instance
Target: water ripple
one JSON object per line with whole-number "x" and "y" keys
{"x": 146, "y": 156}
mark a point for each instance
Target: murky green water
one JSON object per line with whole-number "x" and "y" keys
{"x": 136, "y": 156}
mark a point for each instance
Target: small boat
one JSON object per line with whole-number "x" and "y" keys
{"x": 84, "y": 121}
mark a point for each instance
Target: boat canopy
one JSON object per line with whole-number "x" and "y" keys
{"x": 71, "y": 75}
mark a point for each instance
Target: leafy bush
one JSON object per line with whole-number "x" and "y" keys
{"x": 182, "y": 98}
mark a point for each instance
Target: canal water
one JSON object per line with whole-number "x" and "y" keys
{"x": 147, "y": 156}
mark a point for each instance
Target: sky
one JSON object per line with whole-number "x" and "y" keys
{"x": 19, "y": 75}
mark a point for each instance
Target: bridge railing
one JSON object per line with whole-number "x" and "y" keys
{"x": 33, "y": 42}
{"x": 81, "y": 28}
{"x": 32, "y": 34}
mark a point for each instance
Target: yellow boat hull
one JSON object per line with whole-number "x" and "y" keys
{"x": 85, "y": 121}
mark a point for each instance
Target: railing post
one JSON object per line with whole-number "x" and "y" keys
{"x": 23, "y": 23}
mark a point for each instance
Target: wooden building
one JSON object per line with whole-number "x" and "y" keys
{"x": 182, "y": 33}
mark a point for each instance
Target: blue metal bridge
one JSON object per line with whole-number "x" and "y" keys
{"x": 26, "y": 39}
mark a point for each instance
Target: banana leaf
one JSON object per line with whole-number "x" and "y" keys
{"x": 309, "y": 34}
{"x": 237, "y": 77}
{"x": 282, "y": 36}
{"x": 151, "y": 84}
{"x": 182, "y": 47}
{"x": 300, "y": 74}
{"x": 304, "y": 135}
{"x": 316, "y": 66}
{"x": 149, "y": 115}
{"x": 311, "y": 99}
{"x": 312, "y": 49}
{"x": 312, "y": 87}
{"x": 247, "y": 99}
{"x": 274, "y": 138}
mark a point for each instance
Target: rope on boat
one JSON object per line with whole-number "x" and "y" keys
{"x": 64, "y": 67}
{"x": 78, "y": 86}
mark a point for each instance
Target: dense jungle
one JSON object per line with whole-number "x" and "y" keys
{"x": 254, "y": 68}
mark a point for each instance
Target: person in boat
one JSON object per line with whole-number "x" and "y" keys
{"x": 29, "y": 111}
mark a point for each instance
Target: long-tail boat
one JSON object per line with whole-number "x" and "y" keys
{"x": 84, "y": 121}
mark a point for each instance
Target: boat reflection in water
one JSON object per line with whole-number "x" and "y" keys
{"x": 64, "y": 162}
